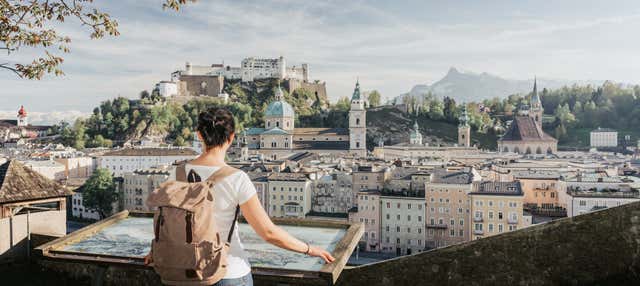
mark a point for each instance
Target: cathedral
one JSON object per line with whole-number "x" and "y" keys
{"x": 525, "y": 134}
{"x": 280, "y": 139}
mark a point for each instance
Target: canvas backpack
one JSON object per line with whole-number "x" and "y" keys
{"x": 187, "y": 248}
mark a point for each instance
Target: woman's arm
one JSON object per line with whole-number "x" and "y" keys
{"x": 260, "y": 222}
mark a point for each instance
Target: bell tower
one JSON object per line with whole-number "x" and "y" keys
{"x": 464, "y": 130}
{"x": 22, "y": 117}
{"x": 357, "y": 124}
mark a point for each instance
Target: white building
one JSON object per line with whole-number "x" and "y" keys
{"x": 332, "y": 194}
{"x": 167, "y": 88}
{"x": 78, "y": 210}
{"x": 290, "y": 195}
{"x": 581, "y": 202}
{"x": 403, "y": 224}
{"x": 50, "y": 169}
{"x": 138, "y": 184}
{"x": 131, "y": 159}
{"x": 604, "y": 137}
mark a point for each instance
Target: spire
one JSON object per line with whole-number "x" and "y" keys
{"x": 279, "y": 94}
{"x": 535, "y": 99}
{"x": 356, "y": 91}
{"x": 22, "y": 112}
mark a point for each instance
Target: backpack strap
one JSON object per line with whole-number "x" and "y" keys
{"x": 181, "y": 172}
{"x": 217, "y": 176}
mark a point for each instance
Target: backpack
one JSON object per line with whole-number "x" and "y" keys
{"x": 187, "y": 248}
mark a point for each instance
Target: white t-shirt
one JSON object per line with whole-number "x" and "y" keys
{"x": 232, "y": 191}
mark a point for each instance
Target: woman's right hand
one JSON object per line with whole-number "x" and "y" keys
{"x": 319, "y": 252}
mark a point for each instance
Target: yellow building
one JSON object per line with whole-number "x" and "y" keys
{"x": 496, "y": 207}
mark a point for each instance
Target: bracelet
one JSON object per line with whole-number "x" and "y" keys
{"x": 308, "y": 249}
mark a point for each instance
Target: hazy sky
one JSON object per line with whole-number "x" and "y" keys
{"x": 389, "y": 45}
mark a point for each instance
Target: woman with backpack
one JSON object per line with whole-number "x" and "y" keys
{"x": 225, "y": 191}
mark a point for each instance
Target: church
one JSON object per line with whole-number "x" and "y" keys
{"x": 280, "y": 139}
{"x": 525, "y": 134}
{"x": 13, "y": 129}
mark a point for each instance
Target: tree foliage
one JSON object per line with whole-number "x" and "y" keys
{"x": 374, "y": 98}
{"x": 99, "y": 192}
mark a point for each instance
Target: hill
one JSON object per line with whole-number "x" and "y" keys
{"x": 475, "y": 87}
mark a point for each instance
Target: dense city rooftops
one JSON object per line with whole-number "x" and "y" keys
{"x": 442, "y": 176}
{"x": 536, "y": 174}
{"x": 497, "y": 188}
{"x": 298, "y": 177}
{"x": 152, "y": 152}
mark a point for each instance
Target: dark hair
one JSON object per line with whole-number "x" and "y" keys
{"x": 216, "y": 125}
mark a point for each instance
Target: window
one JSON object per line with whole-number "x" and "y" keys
{"x": 397, "y": 229}
{"x": 499, "y": 215}
{"x": 453, "y": 222}
{"x": 500, "y": 228}
{"x": 452, "y": 233}
{"x": 490, "y": 227}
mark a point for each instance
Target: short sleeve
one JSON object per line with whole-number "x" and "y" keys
{"x": 245, "y": 188}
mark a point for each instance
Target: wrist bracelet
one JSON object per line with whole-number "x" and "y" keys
{"x": 308, "y": 249}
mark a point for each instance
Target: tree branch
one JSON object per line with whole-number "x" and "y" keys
{"x": 8, "y": 67}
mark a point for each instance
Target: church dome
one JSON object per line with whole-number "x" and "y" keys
{"x": 279, "y": 107}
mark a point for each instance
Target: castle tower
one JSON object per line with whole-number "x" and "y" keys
{"x": 536, "y": 109}
{"x": 415, "y": 138}
{"x": 357, "y": 124}
{"x": 279, "y": 113}
{"x": 22, "y": 117}
{"x": 464, "y": 131}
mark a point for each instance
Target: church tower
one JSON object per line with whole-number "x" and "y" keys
{"x": 22, "y": 117}
{"x": 536, "y": 109}
{"x": 357, "y": 124}
{"x": 464, "y": 131}
{"x": 415, "y": 138}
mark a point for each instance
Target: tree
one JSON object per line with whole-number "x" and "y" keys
{"x": 374, "y": 98}
{"x": 99, "y": 192}
{"x": 343, "y": 104}
{"x": 37, "y": 24}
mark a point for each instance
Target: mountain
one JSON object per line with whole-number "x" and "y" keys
{"x": 469, "y": 86}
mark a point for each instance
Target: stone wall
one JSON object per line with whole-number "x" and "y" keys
{"x": 192, "y": 85}
{"x": 599, "y": 248}
{"x": 318, "y": 89}
{"x": 13, "y": 231}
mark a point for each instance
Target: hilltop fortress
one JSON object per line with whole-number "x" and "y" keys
{"x": 209, "y": 80}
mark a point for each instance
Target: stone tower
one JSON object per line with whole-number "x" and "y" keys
{"x": 357, "y": 124}
{"x": 22, "y": 117}
{"x": 415, "y": 138}
{"x": 464, "y": 131}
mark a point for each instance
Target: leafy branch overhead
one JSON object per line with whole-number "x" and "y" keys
{"x": 33, "y": 24}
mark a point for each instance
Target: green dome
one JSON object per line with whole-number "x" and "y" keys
{"x": 279, "y": 108}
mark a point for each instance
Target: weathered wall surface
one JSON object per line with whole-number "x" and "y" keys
{"x": 13, "y": 231}
{"x": 600, "y": 248}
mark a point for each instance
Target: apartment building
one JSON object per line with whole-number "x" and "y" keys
{"x": 496, "y": 207}
{"x": 290, "y": 195}
{"x": 448, "y": 207}
{"x": 368, "y": 213}
{"x": 137, "y": 185}
{"x": 131, "y": 159}
{"x": 332, "y": 194}
{"x": 402, "y": 223}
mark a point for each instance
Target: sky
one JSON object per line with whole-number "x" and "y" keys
{"x": 389, "y": 46}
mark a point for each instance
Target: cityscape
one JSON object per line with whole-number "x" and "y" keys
{"x": 473, "y": 179}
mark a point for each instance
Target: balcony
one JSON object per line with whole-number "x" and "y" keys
{"x": 512, "y": 220}
{"x": 478, "y": 219}
{"x": 437, "y": 226}
{"x": 478, "y": 232}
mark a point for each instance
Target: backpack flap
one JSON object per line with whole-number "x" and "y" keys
{"x": 181, "y": 195}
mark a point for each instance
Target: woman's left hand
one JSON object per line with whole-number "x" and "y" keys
{"x": 319, "y": 252}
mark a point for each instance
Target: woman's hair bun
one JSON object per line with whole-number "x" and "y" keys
{"x": 216, "y": 125}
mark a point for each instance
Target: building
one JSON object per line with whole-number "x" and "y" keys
{"x": 12, "y": 130}
{"x": 415, "y": 137}
{"x": 368, "y": 213}
{"x": 78, "y": 210}
{"x": 280, "y": 139}
{"x": 260, "y": 181}
{"x": 496, "y": 207}
{"x": 402, "y": 223}
{"x": 51, "y": 169}
{"x": 369, "y": 177}
{"x": 138, "y": 184}
{"x": 603, "y": 137}
{"x": 357, "y": 124}
{"x": 29, "y": 203}
{"x": 543, "y": 191}
{"x": 464, "y": 130}
{"x": 448, "y": 207}
{"x": 290, "y": 195}
{"x": 586, "y": 201}
{"x": 332, "y": 194}
{"x": 131, "y": 159}
{"x": 525, "y": 134}
{"x": 77, "y": 167}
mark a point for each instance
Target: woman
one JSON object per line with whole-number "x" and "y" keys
{"x": 216, "y": 131}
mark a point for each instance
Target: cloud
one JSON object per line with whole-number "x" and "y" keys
{"x": 389, "y": 46}
{"x": 46, "y": 118}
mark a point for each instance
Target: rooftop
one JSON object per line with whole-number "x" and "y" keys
{"x": 19, "y": 183}
{"x": 442, "y": 176}
{"x": 497, "y": 188}
{"x": 152, "y": 152}
{"x": 523, "y": 128}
